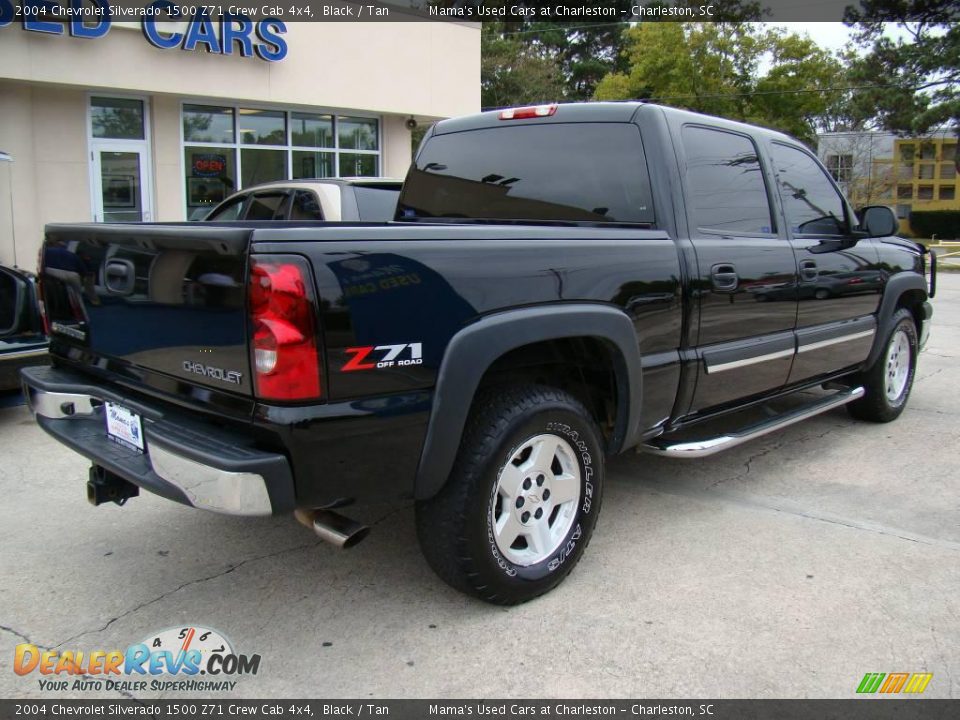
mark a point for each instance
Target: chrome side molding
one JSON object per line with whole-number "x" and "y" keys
{"x": 710, "y": 446}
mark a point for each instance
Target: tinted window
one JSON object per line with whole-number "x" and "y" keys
{"x": 305, "y": 206}
{"x": 266, "y": 207}
{"x": 202, "y": 123}
{"x": 585, "y": 171}
{"x": 230, "y": 211}
{"x": 376, "y": 204}
{"x": 810, "y": 202}
{"x": 725, "y": 182}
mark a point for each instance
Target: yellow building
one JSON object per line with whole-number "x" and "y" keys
{"x": 910, "y": 174}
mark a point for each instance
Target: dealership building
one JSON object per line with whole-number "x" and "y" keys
{"x": 158, "y": 121}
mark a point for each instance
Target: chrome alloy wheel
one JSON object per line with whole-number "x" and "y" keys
{"x": 897, "y": 365}
{"x": 536, "y": 499}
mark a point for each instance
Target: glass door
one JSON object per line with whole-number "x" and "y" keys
{"x": 120, "y": 185}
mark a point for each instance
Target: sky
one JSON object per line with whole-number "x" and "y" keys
{"x": 832, "y": 35}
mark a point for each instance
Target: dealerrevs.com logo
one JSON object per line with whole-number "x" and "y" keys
{"x": 192, "y": 658}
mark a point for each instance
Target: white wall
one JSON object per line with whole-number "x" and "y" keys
{"x": 429, "y": 69}
{"x": 43, "y": 128}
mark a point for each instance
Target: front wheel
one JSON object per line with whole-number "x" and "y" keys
{"x": 522, "y": 500}
{"x": 889, "y": 380}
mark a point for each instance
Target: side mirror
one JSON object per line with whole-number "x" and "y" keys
{"x": 878, "y": 221}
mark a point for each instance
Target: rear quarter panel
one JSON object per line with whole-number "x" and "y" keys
{"x": 401, "y": 285}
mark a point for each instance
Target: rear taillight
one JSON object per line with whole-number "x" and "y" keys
{"x": 286, "y": 364}
{"x": 524, "y": 113}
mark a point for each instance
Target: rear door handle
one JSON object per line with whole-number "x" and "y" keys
{"x": 724, "y": 277}
{"x": 808, "y": 270}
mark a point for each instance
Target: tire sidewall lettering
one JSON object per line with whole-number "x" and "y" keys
{"x": 912, "y": 342}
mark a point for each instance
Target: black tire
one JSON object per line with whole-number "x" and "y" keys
{"x": 457, "y": 527}
{"x": 876, "y": 405}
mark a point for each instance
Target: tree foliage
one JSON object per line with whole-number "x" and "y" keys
{"x": 515, "y": 72}
{"x": 522, "y": 59}
{"x": 715, "y": 68}
{"x": 911, "y": 85}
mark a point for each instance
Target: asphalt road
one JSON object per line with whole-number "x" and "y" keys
{"x": 788, "y": 567}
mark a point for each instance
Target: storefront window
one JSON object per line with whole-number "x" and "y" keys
{"x": 211, "y": 177}
{"x": 259, "y": 166}
{"x": 117, "y": 118}
{"x": 230, "y": 148}
{"x": 310, "y": 130}
{"x": 263, "y": 127}
{"x": 357, "y": 133}
{"x": 310, "y": 164}
{"x": 202, "y": 123}
{"x": 355, "y": 165}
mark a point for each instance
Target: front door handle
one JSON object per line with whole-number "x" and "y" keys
{"x": 724, "y": 277}
{"x": 808, "y": 270}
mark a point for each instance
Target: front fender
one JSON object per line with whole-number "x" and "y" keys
{"x": 896, "y": 286}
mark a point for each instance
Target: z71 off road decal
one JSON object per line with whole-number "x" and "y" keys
{"x": 372, "y": 357}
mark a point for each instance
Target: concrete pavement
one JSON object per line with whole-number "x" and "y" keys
{"x": 787, "y": 567}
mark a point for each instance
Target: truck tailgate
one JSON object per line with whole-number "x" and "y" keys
{"x": 164, "y": 298}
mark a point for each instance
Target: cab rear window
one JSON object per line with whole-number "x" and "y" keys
{"x": 591, "y": 172}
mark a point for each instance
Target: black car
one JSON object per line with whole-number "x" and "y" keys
{"x": 23, "y": 342}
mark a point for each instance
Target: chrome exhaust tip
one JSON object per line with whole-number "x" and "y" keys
{"x": 332, "y": 527}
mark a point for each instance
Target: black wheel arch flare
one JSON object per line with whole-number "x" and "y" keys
{"x": 476, "y": 347}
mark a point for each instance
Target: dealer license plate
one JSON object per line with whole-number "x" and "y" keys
{"x": 124, "y": 427}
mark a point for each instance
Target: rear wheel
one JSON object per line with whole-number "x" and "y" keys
{"x": 889, "y": 380}
{"x": 521, "y": 503}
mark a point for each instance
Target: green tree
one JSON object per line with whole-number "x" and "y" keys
{"x": 714, "y": 68}
{"x": 910, "y": 85}
{"x": 585, "y": 51}
{"x": 514, "y": 71}
{"x": 584, "y": 54}
{"x": 799, "y": 94}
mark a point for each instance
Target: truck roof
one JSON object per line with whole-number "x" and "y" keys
{"x": 602, "y": 112}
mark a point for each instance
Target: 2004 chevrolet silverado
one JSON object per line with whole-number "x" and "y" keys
{"x": 561, "y": 284}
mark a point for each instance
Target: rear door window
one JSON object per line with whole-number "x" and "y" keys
{"x": 376, "y": 204}
{"x": 305, "y": 206}
{"x": 267, "y": 206}
{"x": 725, "y": 187}
{"x": 594, "y": 172}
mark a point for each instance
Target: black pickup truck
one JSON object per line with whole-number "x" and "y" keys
{"x": 561, "y": 284}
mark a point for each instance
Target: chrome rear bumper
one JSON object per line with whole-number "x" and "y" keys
{"x": 185, "y": 459}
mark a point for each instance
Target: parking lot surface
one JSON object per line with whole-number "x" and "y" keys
{"x": 787, "y": 567}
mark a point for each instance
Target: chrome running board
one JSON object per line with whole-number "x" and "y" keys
{"x": 709, "y": 446}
